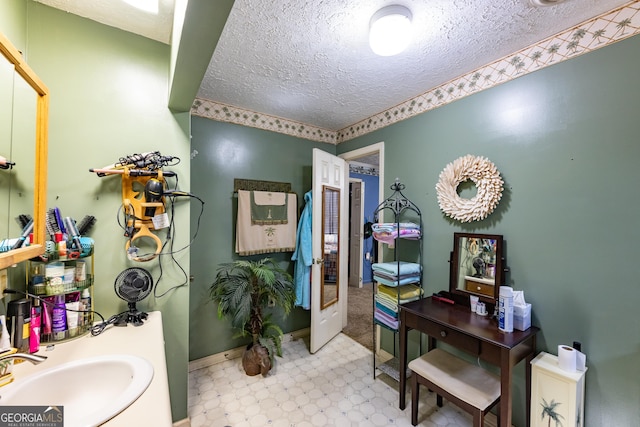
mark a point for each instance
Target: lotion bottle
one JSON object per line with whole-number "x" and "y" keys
{"x": 59, "y": 318}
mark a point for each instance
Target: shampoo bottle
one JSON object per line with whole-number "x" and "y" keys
{"x": 59, "y": 318}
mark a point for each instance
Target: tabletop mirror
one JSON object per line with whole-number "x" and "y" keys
{"x": 477, "y": 265}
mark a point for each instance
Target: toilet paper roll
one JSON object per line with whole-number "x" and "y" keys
{"x": 570, "y": 359}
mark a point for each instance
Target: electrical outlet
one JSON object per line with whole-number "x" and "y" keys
{"x": 3, "y": 282}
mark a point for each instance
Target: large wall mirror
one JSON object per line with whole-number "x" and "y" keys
{"x": 331, "y": 246}
{"x": 24, "y": 108}
{"x": 477, "y": 265}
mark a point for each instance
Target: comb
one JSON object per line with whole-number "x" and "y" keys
{"x": 86, "y": 224}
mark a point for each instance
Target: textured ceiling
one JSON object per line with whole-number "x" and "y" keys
{"x": 309, "y": 60}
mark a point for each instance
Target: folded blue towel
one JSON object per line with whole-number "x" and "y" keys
{"x": 397, "y": 268}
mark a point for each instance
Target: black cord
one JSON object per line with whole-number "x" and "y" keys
{"x": 98, "y": 328}
{"x": 171, "y": 228}
{"x": 172, "y": 252}
{"x": 129, "y": 231}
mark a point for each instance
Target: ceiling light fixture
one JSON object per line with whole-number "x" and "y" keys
{"x": 545, "y": 2}
{"x": 390, "y": 30}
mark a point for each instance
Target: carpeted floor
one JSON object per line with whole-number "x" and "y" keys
{"x": 360, "y": 315}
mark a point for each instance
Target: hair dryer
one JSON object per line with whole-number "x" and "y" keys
{"x": 153, "y": 191}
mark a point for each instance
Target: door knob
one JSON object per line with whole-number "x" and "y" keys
{"x": 319, "y": 261}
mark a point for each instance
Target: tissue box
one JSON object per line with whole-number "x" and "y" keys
{"x": 522, "y": 317}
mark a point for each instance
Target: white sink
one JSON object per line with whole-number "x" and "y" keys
{"x": 91, "y": 390}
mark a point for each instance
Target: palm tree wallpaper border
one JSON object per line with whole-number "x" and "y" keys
{"x": 593, "y": 34}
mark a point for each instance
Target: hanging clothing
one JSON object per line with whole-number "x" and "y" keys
{"x": 303, "y": 255}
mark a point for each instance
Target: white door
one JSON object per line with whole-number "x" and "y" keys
{"x": 331, "y": 172}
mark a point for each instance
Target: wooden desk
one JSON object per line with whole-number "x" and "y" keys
{"x": 479, "y": 336}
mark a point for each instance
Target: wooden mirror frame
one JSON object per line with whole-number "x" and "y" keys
{"x": 37, "y": 246}
{"x": 500, "y": 267}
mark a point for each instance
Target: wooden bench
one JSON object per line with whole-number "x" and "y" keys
{"x": 470, "y": 387}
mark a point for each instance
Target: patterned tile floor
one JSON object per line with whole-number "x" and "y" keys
{"x": 333, "y": 387}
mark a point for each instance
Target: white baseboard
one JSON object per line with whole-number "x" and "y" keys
{"x": 234, "y": 353}
{"x": 182, "y": 423}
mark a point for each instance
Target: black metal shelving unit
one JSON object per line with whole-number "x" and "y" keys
{"x": 403, "y": 210}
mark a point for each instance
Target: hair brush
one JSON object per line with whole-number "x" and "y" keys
{"x": 86, "y": 224}
{"x": 51, "y": 224}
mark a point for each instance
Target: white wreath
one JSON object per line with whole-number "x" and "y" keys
{"x": 485, "y": 176}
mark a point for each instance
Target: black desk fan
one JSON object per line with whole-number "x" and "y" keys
{"x": 133, "y": 285}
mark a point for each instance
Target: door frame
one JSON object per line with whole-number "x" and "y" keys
{"x": 353, "y": 156}
{"x": 360, "y": 254}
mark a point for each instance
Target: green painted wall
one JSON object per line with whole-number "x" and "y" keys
{"x": 220, "y": 153}
{"x": 109, "y": 99}
{"x": 565, "y": 140}
{"x": 13, "y": 22}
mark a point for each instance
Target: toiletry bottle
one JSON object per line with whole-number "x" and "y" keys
{"x": 34, "y": 333}
{"x": 19, "y": 318}
{"x": 5, "y": 338}
{"x": 62, "y": 248}
{"x": 505, "y": 309}
{"x": 85, "y": 302}
{"x": 59, "y": 318}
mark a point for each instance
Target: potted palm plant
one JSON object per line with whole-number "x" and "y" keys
{"x": 243, "y": 289}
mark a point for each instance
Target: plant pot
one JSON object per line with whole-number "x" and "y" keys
{"x": 255, "y": 360}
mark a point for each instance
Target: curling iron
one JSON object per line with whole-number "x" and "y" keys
{"x": 132, "y": 172}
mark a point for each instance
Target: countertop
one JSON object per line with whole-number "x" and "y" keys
{"x": 153, "y": 407}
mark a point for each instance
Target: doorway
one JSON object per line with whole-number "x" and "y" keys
{"x": 366, "y": 166}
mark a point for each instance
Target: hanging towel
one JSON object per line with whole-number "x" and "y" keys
{"x": 268, "y": 207}
{"x": 260, "y": 239}
{"x": 303, "y": 255}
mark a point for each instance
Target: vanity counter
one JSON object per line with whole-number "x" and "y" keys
{"x": 153, "y": 407}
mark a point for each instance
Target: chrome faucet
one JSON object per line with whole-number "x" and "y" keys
{"x": 33, "y": 358}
